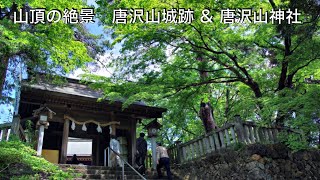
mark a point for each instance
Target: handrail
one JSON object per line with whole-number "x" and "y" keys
{"x": 21, "y": 133}
{"x": 242, "y": 131}
{"x": 208, "y": 134}
{"x": 125, "y": 163}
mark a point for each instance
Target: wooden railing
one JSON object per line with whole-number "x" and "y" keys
{"x": 22, "y": 134}
{"x": 13, "y": 127}
{"x": 5, "y": 130}
{"x": 239, "y": 132}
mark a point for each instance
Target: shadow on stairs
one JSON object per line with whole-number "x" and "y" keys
{"x": 81, "y": 172}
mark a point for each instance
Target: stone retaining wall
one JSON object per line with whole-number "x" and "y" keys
{"x": 254, "y": 162}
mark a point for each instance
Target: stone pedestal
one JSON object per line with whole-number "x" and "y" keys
{"x": 42, "y": 124}
{"x": 40, "y": 140}
{"x": 154, "y": 152}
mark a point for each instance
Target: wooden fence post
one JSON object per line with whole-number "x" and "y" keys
{"x": 179, "y": 152}
{"x": 239, "y": 129}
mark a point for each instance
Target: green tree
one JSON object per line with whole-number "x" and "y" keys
{"x": 247, "y": 69}
{"x": 50, "y": 47}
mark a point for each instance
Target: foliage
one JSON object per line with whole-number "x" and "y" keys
{"x": 31, "y": 133}
{"x": 16, "y": 153}
{"x": 238, "y": 146}
{"x": 254, "y": 70}
{"x": 52, "y": 48}
{"x": 294, "y": 141}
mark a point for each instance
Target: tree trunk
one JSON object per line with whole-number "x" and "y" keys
{"x": 283, "y": 80}
{"x": 206, "y": 110}
{"x": 3, "y": 73}
{"x": 283, "y": 76}
{"x": 255, "y": 88}
{"x": 227, "y": 108}
{"x": 206, "y": 115}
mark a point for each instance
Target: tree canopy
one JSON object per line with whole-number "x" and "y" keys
{"x": 256, "y": 70}
{"x": 44, "y": 47}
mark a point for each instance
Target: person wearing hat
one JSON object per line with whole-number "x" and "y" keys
{"x": 141, "y": 153}
{"x": 163, "y": 160}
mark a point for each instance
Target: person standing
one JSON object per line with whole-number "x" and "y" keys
{"x": 115, "y": 145}
{"x": 141, "y": 153}
{"x": 74, "y": 159}
{"x": 163, "y": 160}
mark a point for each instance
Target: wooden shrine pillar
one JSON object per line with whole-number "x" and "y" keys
{"x": 133, "y": 140}
{"x": 94, "y": 150}
{"x": 97, "y": 152}
{"x": 113, "y": 126}
{"x": 97, "y": 149}
{"x": 64, "y": 145}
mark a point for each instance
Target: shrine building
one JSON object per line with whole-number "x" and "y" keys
{"x": 73, "y": 111}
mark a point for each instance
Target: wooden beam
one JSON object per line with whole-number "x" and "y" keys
{"x": 57, "y": 119}
{"x": 64, "y": 146}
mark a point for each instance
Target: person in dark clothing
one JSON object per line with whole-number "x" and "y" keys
{"x": 74, "y": 159}
{"x": 163, "y": 160}
{"x": 141, "y": 153}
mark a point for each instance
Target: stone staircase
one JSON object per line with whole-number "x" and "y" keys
{"x": 100, "y": 172}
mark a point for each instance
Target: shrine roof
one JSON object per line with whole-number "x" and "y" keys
{"x": 74, "y": 88}
{"x": 71, "y": 88}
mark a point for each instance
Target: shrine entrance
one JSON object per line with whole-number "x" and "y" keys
{"x": 75, "y": 113}
{"x": 81, "y": 148}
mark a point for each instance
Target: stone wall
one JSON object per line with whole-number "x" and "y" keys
{"x": 253, "y": 162}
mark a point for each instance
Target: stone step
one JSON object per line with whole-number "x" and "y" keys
{"x": 121, "y": 179}
{"x": 65, "y": 166}
{"x": 101, "y": 172}
{"x": 109, "y": 176}
{"x": 93, "y": 171}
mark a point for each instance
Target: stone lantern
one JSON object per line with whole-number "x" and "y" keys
{"x": 153, "y": 128}
{"x": 43, "y": 114}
